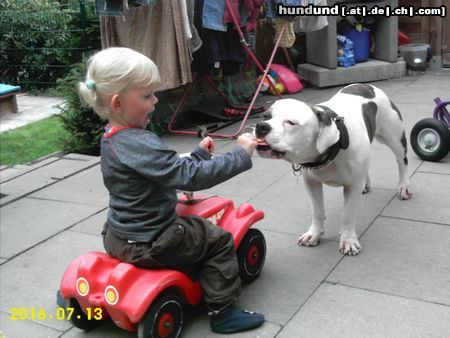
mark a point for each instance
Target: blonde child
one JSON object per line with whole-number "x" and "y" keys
{"x": 142, "y": 175}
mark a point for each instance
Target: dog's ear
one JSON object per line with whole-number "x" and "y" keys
{"x": 328, "y": 132}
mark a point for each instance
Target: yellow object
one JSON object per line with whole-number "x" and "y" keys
{"x": 278, "y": 86}
{"x": 82, "y": 286}
{"x": 111, "y": 295}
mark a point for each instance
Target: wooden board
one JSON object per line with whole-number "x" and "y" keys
{"x": 446, "y": 36}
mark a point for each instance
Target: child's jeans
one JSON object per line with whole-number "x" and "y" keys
{"x": 191, "y": 242}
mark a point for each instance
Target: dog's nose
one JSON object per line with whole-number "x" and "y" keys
{"x": 262, "y": 129}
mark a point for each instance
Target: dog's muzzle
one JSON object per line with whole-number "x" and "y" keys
{"x": 262, "y": 129}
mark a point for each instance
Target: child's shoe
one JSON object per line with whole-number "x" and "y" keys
{"x": 233, "y": 319}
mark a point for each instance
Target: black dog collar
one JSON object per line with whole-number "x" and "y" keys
{"x": 333, "y": 151}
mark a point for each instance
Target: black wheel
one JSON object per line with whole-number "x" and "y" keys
{"x": 430, "y": 139}
{"x": 251, "y": 255}
{"x": 163, "y": 319}
{"x": 79, "y": 319}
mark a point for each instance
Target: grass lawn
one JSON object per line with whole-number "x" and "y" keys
{"x": 27, "y": 143}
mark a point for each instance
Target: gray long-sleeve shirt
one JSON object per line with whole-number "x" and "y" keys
{"x": 142, "y": 175}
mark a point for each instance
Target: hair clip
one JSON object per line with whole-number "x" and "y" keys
{"x": 90, "y": 84}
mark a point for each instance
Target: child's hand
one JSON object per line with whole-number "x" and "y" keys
{"x": 208, "y": 144}
{"x": 248, "y": 142}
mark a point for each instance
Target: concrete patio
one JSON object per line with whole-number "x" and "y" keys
{"x": 398, "y": 286}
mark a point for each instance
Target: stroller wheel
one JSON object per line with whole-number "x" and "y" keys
{"x": 430, "y": 139}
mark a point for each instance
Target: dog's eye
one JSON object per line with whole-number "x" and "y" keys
{"x": 291, "y": 123}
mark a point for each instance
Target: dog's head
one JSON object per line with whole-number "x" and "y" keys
{"x": 295, "y": 131}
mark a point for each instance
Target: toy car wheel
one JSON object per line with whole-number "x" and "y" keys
{"x": 251, "y": 255}
{"x": 430, "y": 139}
{"x": 79, "y": 319}
{"x": 163, "y": 319}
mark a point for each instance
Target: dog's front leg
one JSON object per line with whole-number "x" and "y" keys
{"x": 315, "y": 192}
{"x": 348, "y": 242}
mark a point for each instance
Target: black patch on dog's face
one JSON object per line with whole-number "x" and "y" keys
{"x": 396, "y": 109}
{"x": 366, "y": 91}
{"x": 322, "y": 114}
{"x": 369, "y": 111}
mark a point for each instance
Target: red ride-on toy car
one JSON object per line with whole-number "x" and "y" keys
{"x": 96, "y": 286}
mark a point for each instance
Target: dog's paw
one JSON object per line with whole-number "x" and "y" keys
{"x": 349, "y": 245}
{"x": 310, "y": 238}
{"x": 404, "y": 194}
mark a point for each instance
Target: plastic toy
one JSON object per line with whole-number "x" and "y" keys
{"x": 97, "y": 286}
{"x": 289, "y": 79}
{"x": 266, "y": 83}
{"x": 430, "y": 137}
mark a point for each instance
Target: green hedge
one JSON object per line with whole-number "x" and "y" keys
{"x": 41, "y": 39}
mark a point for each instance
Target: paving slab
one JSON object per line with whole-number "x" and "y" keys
{"x": 20, "y": 169}
{"x": 383, "y": 169}
{"x": 92, "y": 225}
{"x": 23, "y": 328}
{"x": 15, "y": 189}
{"x": 394, "y": 85}
{"x": 251, "y": 182}
{"x": 27, "y": 281}
{"x": 40, "y": 162}
{"x": 194, "y": 326}
{"x": 428, "y": 86}
{"x": 290, "y": 275}
{"x": 442, "y": 167}
{"x": 287, "y": 208}
{"x": 404, "y": 258}
{"x": 23, "y": 180}
{"x": 66, "y": 167}
{"x": 29, "y": 221}
{"x": 107, "y": 329}
{"x": 86, "y": 187}
{"x": 429, "y": 203}
{"x": 9, "y": 173}
{"x": 338, "y": 311}
{"x": 198, "y": 327}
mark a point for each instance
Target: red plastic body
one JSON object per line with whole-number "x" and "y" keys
{"x": 137, "y": 288}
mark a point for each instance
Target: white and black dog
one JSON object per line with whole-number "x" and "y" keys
{"x": 330, "y": 142}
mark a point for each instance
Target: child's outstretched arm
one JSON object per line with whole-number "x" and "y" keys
{"x": 151, "y": 158}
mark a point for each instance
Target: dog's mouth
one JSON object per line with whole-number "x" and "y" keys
{"x": 265, "y": 149}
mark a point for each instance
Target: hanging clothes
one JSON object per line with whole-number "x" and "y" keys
{"x": 117, "y": 7}
{"x": 157, "y": 32}
{"x": 311, "y": 23}
{"x": 219, "y": 47}
{"x": 253, "y": 12}
{"x": 195, "y": 42}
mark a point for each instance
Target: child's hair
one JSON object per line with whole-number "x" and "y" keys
{"x": 115, "y": 70}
